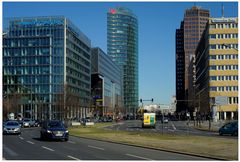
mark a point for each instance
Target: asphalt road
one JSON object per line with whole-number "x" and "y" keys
{"x": 172, "y": 127}
{"x": 28, "y": 146}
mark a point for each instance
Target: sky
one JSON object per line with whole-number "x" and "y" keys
{"x": 157, "y": 22}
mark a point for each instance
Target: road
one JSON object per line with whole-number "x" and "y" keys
{"x": 28, "y": 146}
{"x": 172, "y": 127}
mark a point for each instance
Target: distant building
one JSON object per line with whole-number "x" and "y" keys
{"x": 217, "y": 68}
{"x": 122, "y": 47}
{"x": 180, "y": 69}
{"x": 106, "y": 84}
{"x": 46, "y": 64}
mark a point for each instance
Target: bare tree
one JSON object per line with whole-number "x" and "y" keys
{"x": 11, "y": 103}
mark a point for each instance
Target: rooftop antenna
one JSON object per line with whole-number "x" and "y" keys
{"x": 222, "y": 10}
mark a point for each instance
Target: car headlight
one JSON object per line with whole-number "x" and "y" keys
{"x": 16, "y": 129}
{"x": 48, "y": 131}
{"x": 66, "y": 131}
{"x": 5, "y": 129}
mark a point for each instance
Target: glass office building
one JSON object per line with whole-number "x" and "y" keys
{"x": 46, "y": 61}
{"x": 106, "y": 83}
{"x": 122, "y": 47}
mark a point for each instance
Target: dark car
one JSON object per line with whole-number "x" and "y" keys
{"x": 229, "y": 128}
{"x": 11, "y": 127}
{"x": 54, "y": 130}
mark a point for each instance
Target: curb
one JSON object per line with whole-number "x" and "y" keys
{"x": 154, "y": 148}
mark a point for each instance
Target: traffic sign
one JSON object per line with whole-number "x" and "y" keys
{"x": 221, "y": 100}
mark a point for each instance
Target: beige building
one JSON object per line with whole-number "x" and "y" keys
{"x": 217, "y": 68}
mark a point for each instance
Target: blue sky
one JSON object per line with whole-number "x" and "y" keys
{"x": 158, "y": 22}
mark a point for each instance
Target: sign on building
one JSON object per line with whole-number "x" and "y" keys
{"x": 221, "y": 100}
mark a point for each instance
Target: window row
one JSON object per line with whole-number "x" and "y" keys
{"x": 223, "y": 67}
{"x": 232, "y": 100}
{"x": 223, "y": 36}
{"x": 38, "y": 31}
{"x": 223, "y": 88}
{"x": 223, "y": 78}
{"x": 222, "y": 26}
{"x": 26, "y": 70}
{"x": 224, "y": 57}
{"x": 25, "y": 51}
{"x": 223, "y": 46}
{"x": 26, "y": 42}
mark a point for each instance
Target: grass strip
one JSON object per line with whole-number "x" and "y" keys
{"x": 205, "y": 146}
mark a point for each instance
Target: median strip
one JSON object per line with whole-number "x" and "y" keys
{"x": 138, "y": 157}
{"x": 99, "y": 148}
{"x": 73, "y": 157}
{"x": 47, "y": 148}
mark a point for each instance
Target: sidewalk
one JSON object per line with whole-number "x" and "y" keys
{"x": 204, "y": 125}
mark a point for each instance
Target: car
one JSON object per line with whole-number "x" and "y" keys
{"x": 37, "y": 123}
{"x": 12, "y": 127}
{"x": 229, "y": 128}
{"x": 26, "y": 123}
{"x": 54, "y": 130}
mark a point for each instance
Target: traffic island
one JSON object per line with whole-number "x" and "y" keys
{"x": 211, "y": 147}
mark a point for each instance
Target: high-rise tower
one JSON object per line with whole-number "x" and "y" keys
{"x": 195, "y": 20}
{"x": 122, "y": 47}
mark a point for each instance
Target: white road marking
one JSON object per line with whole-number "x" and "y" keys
{"x": 47, "y": 148}
{"x": 138, "y": 157}
{"x": 21, "y": 138}
{"x": 9, "y": 151}
{"x": 99, "y": 148}
{"x": 30, "y": 142}
{"x": 73, "y": 157}
{"x": 72, "y": 142}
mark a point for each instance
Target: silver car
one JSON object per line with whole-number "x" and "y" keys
{"x": 11, "y": 127}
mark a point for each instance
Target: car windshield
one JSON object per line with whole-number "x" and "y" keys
{"x": 55, "y": 124}
{"x": 11, "y": 123}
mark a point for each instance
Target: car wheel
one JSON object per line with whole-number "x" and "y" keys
{"x": 220, "y": 133}
{"x": 66, "y": 139}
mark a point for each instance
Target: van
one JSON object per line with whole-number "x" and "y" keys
{"x": 149, "y": 120}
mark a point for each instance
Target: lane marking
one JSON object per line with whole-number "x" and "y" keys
{"x": 72, "y": 142}
{"x": 30, "y": 142}
{"x": 99, "y": 148}
{"x": 9, "y": 151}
{"x": 73, "y": 157}
{"x": 21, "y": 138}
{"x": 138, "y": 157}
{"x": 47, "y": 148}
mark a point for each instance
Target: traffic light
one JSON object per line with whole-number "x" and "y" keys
{"x": 141, "y": 100}
{"x": 152, "y": 99}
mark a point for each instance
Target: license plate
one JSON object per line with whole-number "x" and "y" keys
{"x": 59, "y": 134}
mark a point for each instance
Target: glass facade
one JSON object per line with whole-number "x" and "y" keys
{"x": 122, "y": 47}
{"x": 107, "y": 85}
{"x": 41, "y": 55}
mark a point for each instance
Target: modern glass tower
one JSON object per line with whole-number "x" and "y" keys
{"x": 46, "y": 68}
{"x": 122, "y": 46}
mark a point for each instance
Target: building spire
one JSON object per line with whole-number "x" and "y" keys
{"x": 222, "y": 10}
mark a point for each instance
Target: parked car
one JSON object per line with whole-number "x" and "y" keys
{"x": 229, "y": 128}
{"x": 54, "y": 130}
{"x": 12, "y": 127}
{"x": 37, "y": 123}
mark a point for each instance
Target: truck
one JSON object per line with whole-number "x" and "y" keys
{"x": 149, "y": 120}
